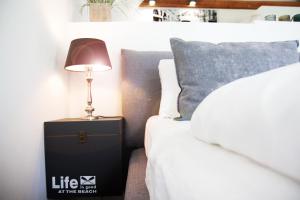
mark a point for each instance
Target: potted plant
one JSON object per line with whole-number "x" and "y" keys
{"x": 99, "y": 10}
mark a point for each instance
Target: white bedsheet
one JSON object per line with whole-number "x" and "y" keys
{"x": 156, "y": 127}
{"x": 183, "y": 168}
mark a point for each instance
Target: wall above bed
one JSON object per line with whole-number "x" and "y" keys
{"x": 155, "y": 36}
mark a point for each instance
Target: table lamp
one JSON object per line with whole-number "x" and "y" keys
{"x": 88, "y": 55}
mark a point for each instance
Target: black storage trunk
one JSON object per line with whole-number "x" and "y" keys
{"x": 83, "y": 158}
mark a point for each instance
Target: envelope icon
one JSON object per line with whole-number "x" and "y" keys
{"x": 87, "y": 180}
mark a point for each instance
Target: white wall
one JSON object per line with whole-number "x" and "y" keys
{"x": 154, "y": 36}
{"x": 32, "y": 90}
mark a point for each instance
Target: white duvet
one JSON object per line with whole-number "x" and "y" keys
{"x": 258, "y": 117}
{"x": 183, "y": 168}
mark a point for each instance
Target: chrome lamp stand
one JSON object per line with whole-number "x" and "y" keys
{"x": 89, "y": 108}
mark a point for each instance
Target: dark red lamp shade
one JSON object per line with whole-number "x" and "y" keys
{"x": 87, "y": 54}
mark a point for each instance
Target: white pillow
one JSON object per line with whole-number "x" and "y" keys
{"x": 258, "y": 117}
{"x": 169, "y": 89}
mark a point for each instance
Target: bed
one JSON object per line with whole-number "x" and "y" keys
{"x": 181, "y": 167}
{"x": 175, "y": 163}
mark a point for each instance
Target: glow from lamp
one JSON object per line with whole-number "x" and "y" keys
{"x": 93, "y": 67}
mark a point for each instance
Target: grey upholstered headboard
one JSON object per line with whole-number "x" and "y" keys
{"x": 141, "y": 92}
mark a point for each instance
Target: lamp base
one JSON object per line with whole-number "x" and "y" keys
{"x": 90, "y": 117}
{"x": 89, "y": 109}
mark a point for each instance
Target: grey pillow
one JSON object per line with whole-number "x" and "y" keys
{"x": 141, "y": 91}
{"x": 203, "y": 67}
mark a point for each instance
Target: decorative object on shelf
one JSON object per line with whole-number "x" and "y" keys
{"x": 88, "y": 55}
{"x": 296, "y": 18}
{"x": 184, "y": 15}
{"x": 99, "y": 10}
{"x": 284, "y": 18}
{"x": 271, "y": 17}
